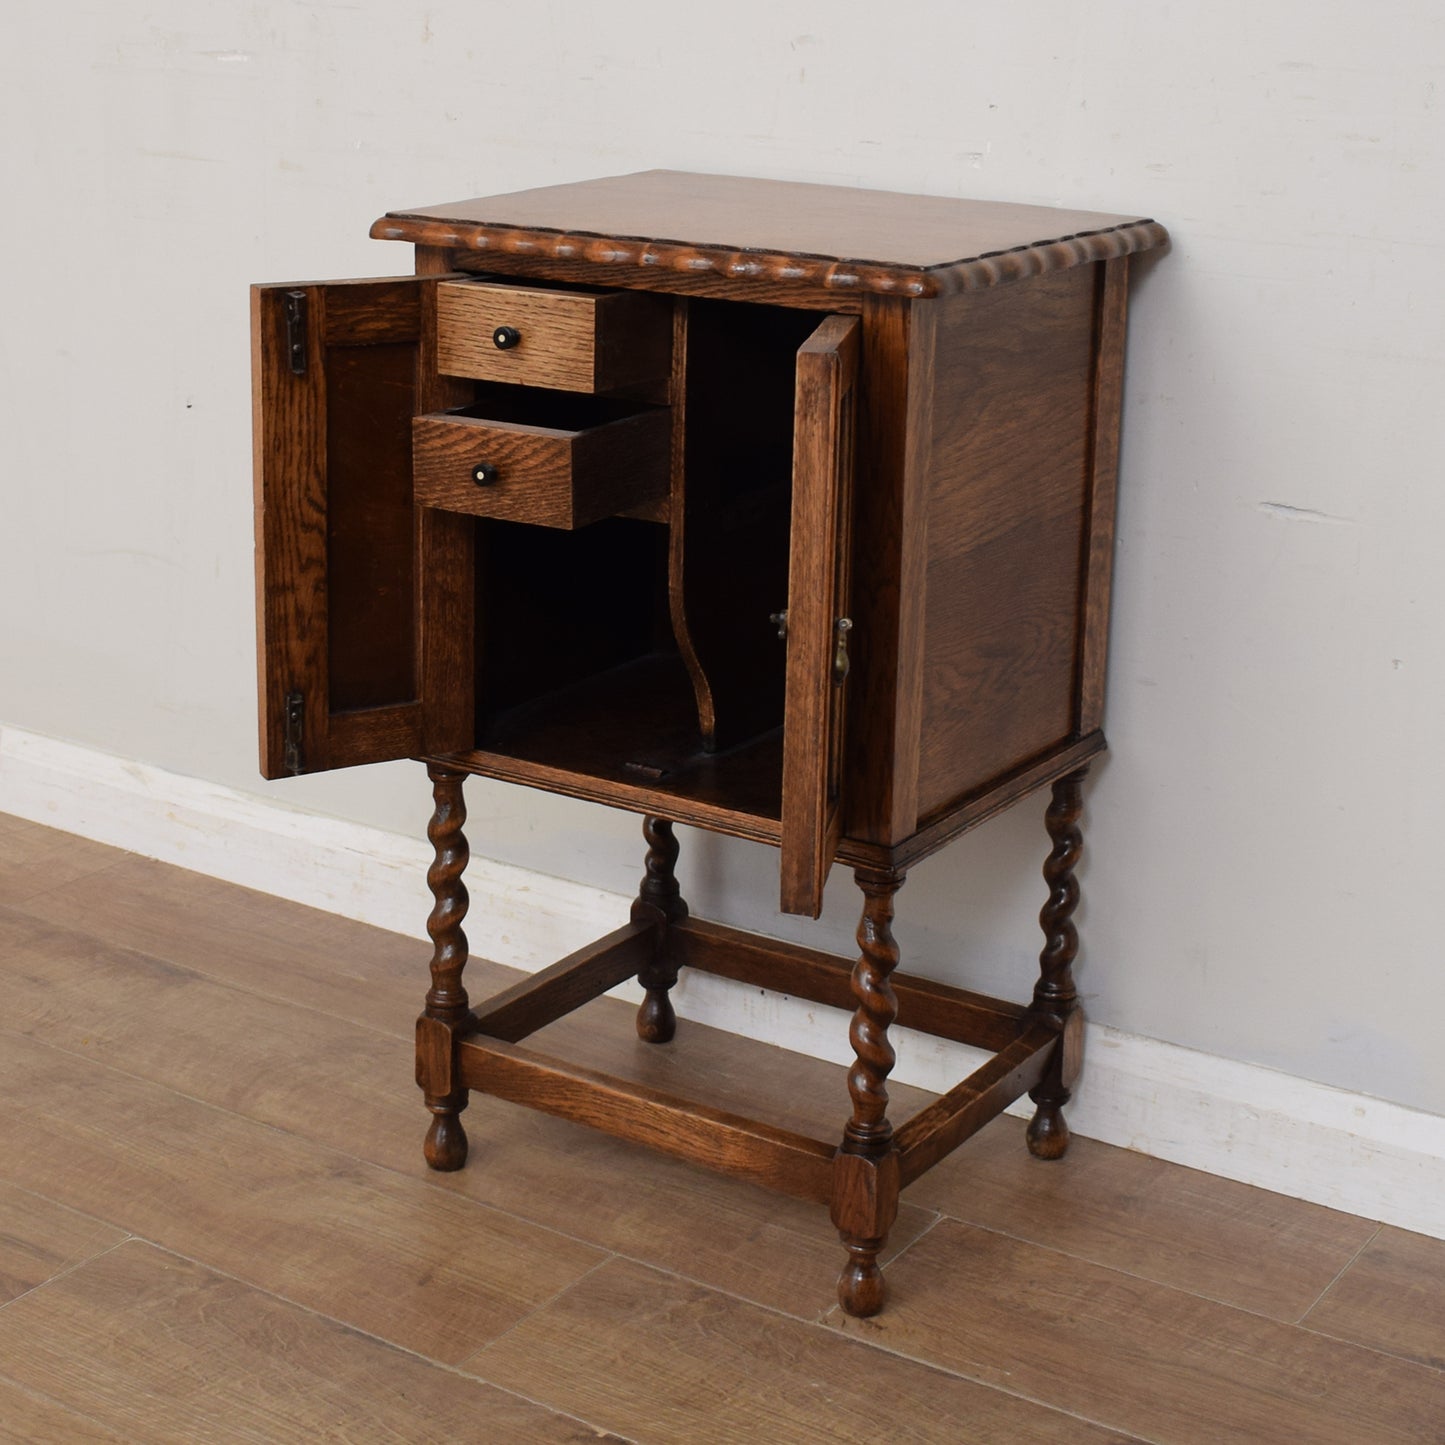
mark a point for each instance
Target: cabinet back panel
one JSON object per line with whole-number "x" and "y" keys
{"x": 371, "y": 537}
{"x": 1007, "y": 494}
{"x": 555, "y": 608}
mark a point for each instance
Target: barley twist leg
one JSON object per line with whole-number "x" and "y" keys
{"x": 866, "y": 1179}
{"x": 446, "y": 1000}
{"x": 1054, "y": 994}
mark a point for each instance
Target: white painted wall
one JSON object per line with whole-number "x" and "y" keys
{"x": 1263, "y": 882}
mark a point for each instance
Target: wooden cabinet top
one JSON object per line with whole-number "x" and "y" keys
{"x": 828, "y": 238}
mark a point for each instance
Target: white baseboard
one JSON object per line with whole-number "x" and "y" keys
{"x": 1291, "y": 1135}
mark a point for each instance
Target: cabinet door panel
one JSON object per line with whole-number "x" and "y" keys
{"x": 351, "y": 579}
{"x": 818, "y": 625}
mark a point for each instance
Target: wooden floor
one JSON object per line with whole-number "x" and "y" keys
{"x": 215, "y": 1225}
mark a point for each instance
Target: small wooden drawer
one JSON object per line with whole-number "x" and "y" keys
{"x": 553, "y": 461}
{"x": 584, "y": 340}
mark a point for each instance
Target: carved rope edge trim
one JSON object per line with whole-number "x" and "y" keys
{"x": 827, "y": 273}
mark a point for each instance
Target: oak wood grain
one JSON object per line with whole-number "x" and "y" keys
{"x": 1139, "y": 1356}
{"x": 937, "y": 1131}
{"x": 1392, "y": 1297}
{"x": 959, "y": 815}
{"x": 547, "y": 475}
{"x": 445, "y": 556}
{"x": 165, "y": 1350}
{"x": 1008, "y": 471}
{"x": 336, "y": 585}
{"x": 820, "y": 563}
{"x": 788, "y": 968}
{"x": 1199, "y": 1232}
{"x": 735, "y": 1373}
{"x": 677, "y": 392}
{"x": 550, "y": 993}
{"x": 638, "y": 274}
{"x": 890, "y": 521}
{"x": 163, "y": 1166}
{"x": 830, "y": 237}
{"x": 749, "y": 1149}
{"x": 1108, "y": 418}
{"x": 575, "y": 340}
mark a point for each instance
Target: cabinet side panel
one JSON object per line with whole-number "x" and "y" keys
{"x": 1108, "y": 409}
{"x": 1008, "y": 491}
{"x": 889, "y": 559}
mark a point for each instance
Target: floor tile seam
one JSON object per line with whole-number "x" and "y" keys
{"x": 387, "y": 1169}
{"x": 422, "y": 1180}
{"x": 1130, "y": 1432}
{"x": 351, "y": 1327}
{"x": 1286, "y": 1323}
{"x": 1125, "y": 1433}
{"x": 220, "y": 980}
{"x": 1435, "y": 1370}
{"x": 1303, "y": 1322}
{"x": 819, "y": 1323}
{"x": 624, "y": 1257}
{"x": 398, "y": 1035}
{"x": 69, "y": 1269}
{"x": 12, "y": 1183}
{"x": 561, "y": 1234}
{"x": 917, "y": 1238}
{"x": 1344, "y": 1270}
{"x": 546, "y": 1304}
{"x": 106, "y": 1425}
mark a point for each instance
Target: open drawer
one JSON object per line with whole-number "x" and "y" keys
{"x": 578, "y": 339}
{"x": 547, "y": 458}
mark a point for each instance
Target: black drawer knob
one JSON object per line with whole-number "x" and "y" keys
{"x": 504, "y": 338}
{"x": 484, "y": 474}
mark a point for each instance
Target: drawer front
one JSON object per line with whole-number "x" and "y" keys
{"x": 569, "y": 340}
{"x": 547, "y": 476}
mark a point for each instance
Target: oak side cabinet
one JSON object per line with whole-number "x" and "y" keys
{"x": 780, "y": 510}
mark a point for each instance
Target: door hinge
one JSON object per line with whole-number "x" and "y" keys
{"x": 291, "y": 756}
{"x": 841, "y": 628}
{"x": 296, "y": 330}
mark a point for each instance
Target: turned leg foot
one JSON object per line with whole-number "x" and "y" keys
{"x": 1048, "y": 1132}
{"x": 861, "y": 1290}
{"x": 659, "y": 903}
{"x": 1055, "y": 995}
{"x": 865, "y": 1169}
{"x": 447, "y": 1008}
{"x": 446, "y": 1141}
{"x": 656, "y": 1021}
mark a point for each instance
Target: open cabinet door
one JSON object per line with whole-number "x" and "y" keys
{"x": 363, "y": 601}
{"x": 824, "y": 420}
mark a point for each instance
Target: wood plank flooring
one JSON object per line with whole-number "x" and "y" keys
{"x": 215, "y": 1225}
